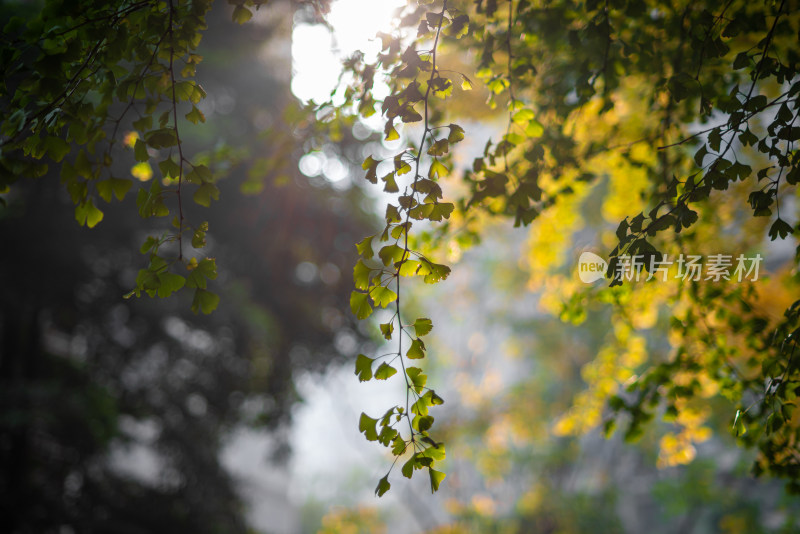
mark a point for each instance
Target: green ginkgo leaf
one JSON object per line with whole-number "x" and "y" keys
{"x": 204, "y": 301}
{"x": 56, "y": 147}
{"x": 195, "y": 115}
{"x": 364, "y": 247}
{"x": 436, "y": 479}
{"x": 361, "y": 275}
{"x": 359, "y": 305}
{"x": 424, "y": 423}
{"x": 423, "y": 326}
{"x": 382, "y": 296}
{"x": 363, "y": 368}
{"x": 417, "y": 350}
{"x": 437, "y": 170}
{"x": 205, "y": 193}
{"x": 417, "y": 377}
{"x": 456, "y": 134}
{"x": 439, "y": 148}
{"x": 241, "y": 14}
{"x": 384, "y": 371}
{"x": 140, "y": 151}
{"x": 366, "y": 425}
{"x": 386, "y": 330}
{"x": 169, "y": 283}
{"x": 383, "y": 486}
{"x": 408, "y": 467}
{"x": 391, "y": 254}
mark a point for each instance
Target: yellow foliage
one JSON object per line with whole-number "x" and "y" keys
{"x": 531, "y": 500}
{"x": 130, "y": 138}
{"x": 735, "y": 524}
{"x": 494, "y": 466}
{"x": 551, "y": 237}
{"x": 498, "y": 436}
{"x": 626, "y": 183}
{"x": 142, "y": 171}
{"x": 484, "y": 505}
{"x": 361, "y": 520}
{"x": 677, "y": 448}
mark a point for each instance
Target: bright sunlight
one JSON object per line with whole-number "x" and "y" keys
{"x": 317, "y": 53}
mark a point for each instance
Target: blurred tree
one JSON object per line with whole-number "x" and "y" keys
{"x": 114, "y": 411}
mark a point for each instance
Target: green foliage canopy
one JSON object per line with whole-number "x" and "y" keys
{"x": 679, "y": 109}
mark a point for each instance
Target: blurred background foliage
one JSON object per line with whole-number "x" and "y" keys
{"x": 114, "y": 412}
{"x": 525, "y": 450}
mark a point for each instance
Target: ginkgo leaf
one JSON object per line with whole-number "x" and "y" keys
{"x": 87, "y": 213}
{"x": 391, "y": 254}
{"x": 56, "y": 147}
{"x": 205, "y": 193}
{"x": 195, "y": 115}
{"x": 104, "y": 190}
{"x": 199, "y": 174}
{"x": 204, "y": 301}
{"x": 436, "y": 452}
{"x": 371, "y": 166}
{"x": 432, "y": 398}
{"x": 241, "y": 14}
{"x": 459, "y": 26}
{"x": 401, "y": 167}
{"x": 534, "y": 128}
{"x": 408, "y": 467}
{"x": 434, "y": 272}
{"x": 391, "y": 133}
{"x": 364, "y": 247}
{"x": 382, "y": 296}
{"x": 417, "y": 377}
{"x": 359, "y": 305}
{"x": 398, "y": 445}
{"x": 456, "y": 134}
{"x": 439, "y": 148}
{"x": 169, "y": 283}
{"x": 363, "y": 368}
{"x": 140, "y": 151}
{"x": 409, "y": 268}
{"x": 386, "y": 330}
{"x": 523, "y": 116}
{"x": 424, "y": 423}
{"x": 366, "y": 425}
{"x": 391, "y": 184}
{"x": 437, "y": 169}
{"x": 417, "y": 350}
{"x": 168, "y": 168}
{"x": 161, "y": 138}
{"x": 423, "y": 326}
{"x": 384, "y": 371}
{"x": 780, "y": 228}
{"x": 361, "y": 275}
{"x": 436, "y": 479}
{"x": 383, "y": 486}
{"x": 392, "y": 214}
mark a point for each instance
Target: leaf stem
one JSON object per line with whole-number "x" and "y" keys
{"x": 177, "y": 134}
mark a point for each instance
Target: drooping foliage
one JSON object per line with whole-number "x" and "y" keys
{"x": 658, "y": 129}
{"x": 682, "y": 115}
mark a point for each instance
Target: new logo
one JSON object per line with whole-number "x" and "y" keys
{"x": 591, "y": 267}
